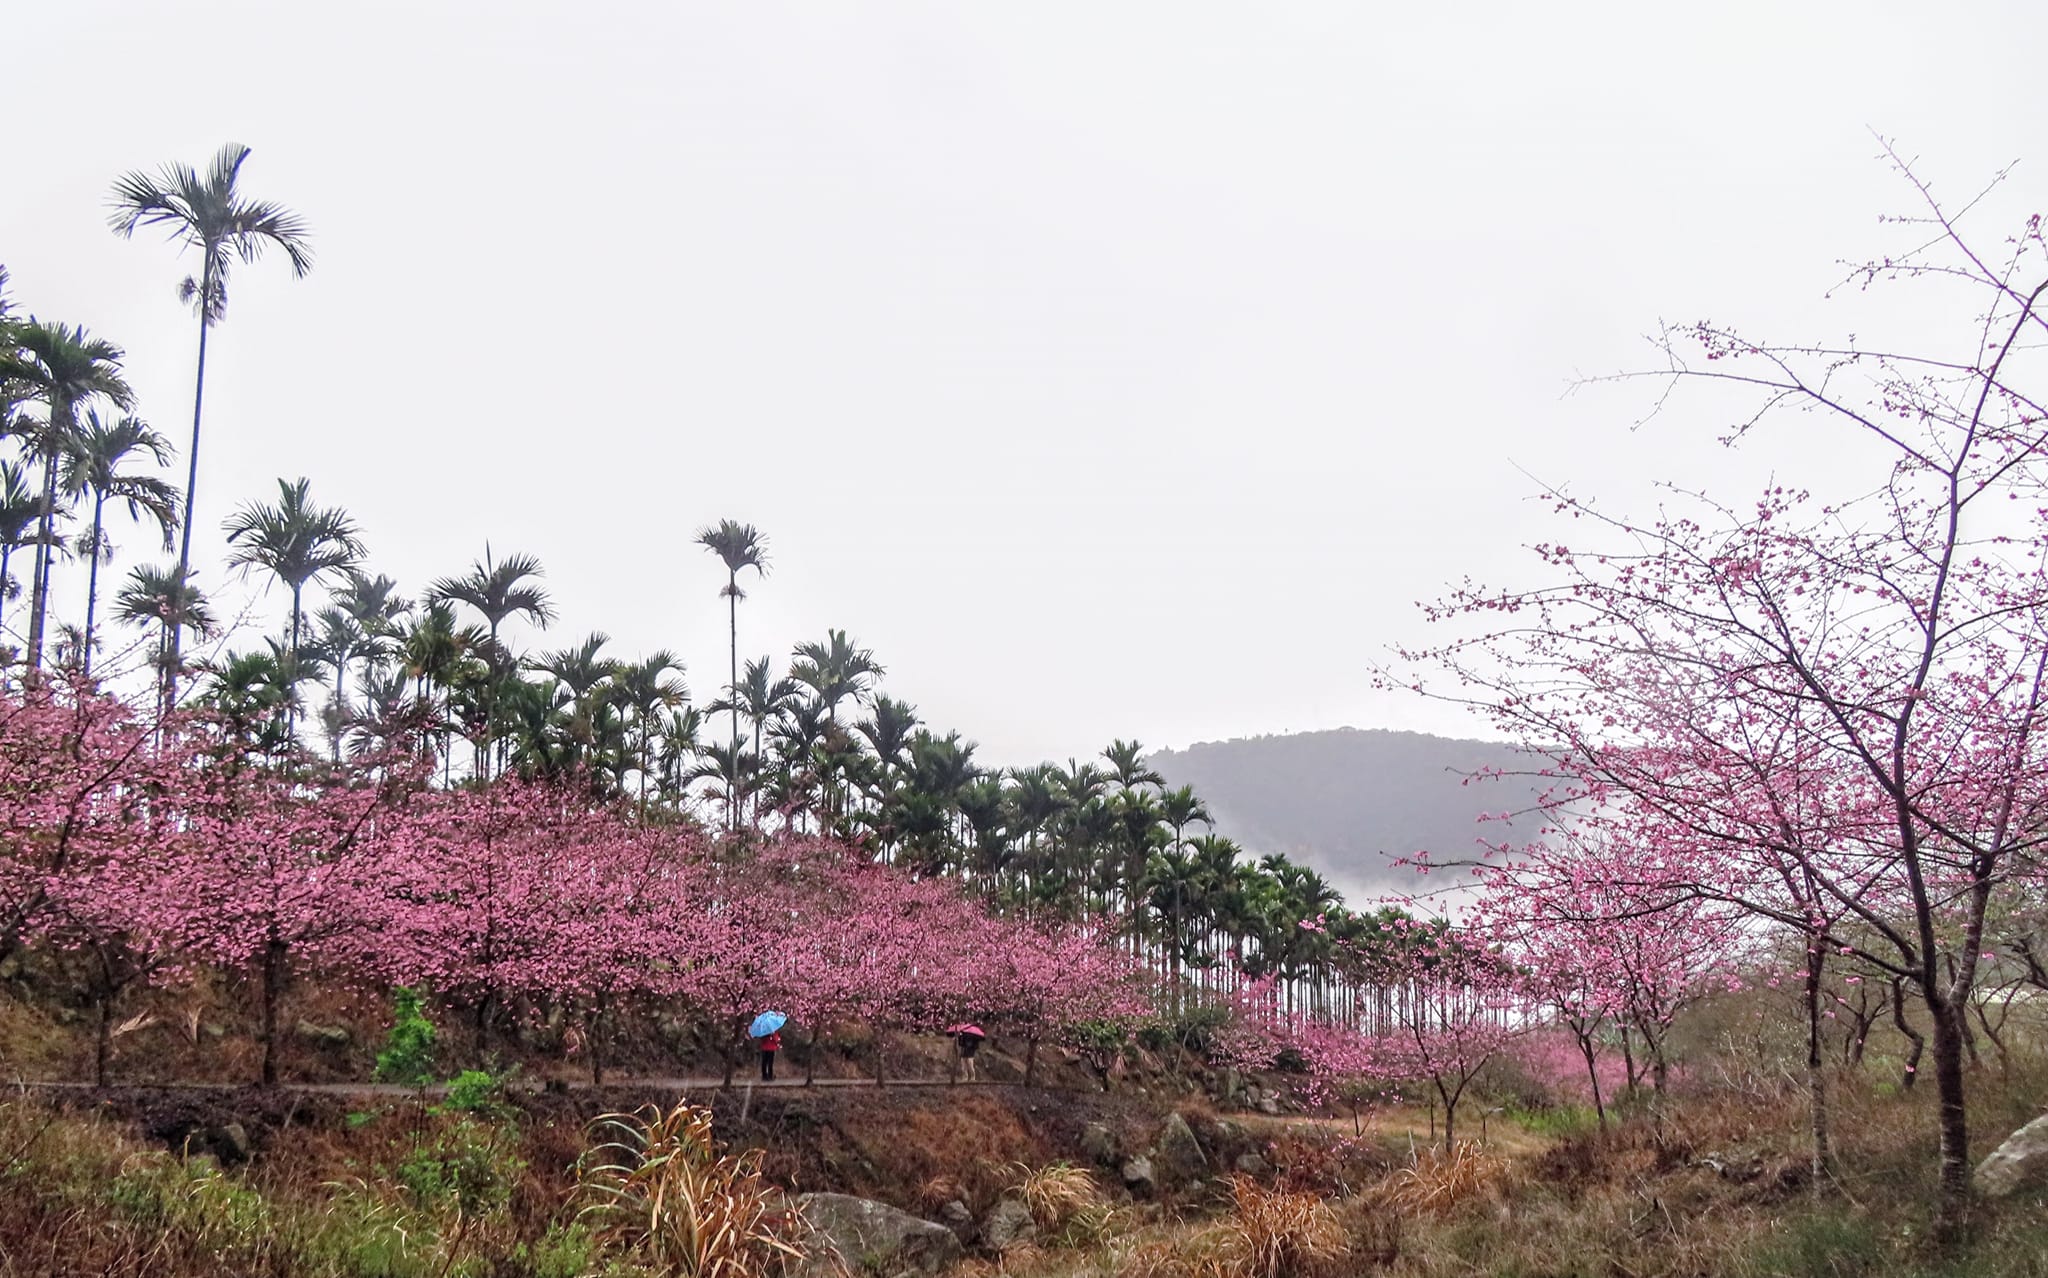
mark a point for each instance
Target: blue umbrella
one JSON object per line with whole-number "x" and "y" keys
{"x": 766, "y": 1023}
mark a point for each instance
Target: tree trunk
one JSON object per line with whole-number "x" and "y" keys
{"x": 1997, "y": 1040}
{"x": 597, "y": 1043}
{"x": 177, "y": 635}
{"x": 1593, "y": 1077}
{"x": 46, "y": 523}
{"x": 1816, "y": 1080}
{"x": 292, "y": 674}
{"x": 273, "y": 988}
{"x": 1953, "y": 1206}
{"x": 1912, "y": 1070}
{"x": 732, "y": 601}
{"x": 483, "y": 1027}
{"x": 340, "y": 705}
{"x": 92, "y": 581}
{"x": 103, "y": 1040}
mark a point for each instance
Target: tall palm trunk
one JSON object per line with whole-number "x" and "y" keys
{"x": 175, "y": 640}
{"x": 6, "y": 558}
{"x": 46, "y": 522}
{"x": 340, "y": 703}
{"x": 732, "y": 691}
{"x": 92, "y": 578}
{"x": 291, "y": 691}
{"x": 755, "y": 815}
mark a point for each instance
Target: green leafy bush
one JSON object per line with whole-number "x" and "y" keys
{"x": 475, "y": 1091}
{"x": 408, "y": 1053}
{"x": 466, "y": 1167}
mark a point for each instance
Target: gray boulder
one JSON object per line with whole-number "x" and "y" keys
{"x": 1230, "y": 1087}
{"x": 953, "y": 1214}
{"x": 1139, "y": 1178}
{"x": 2020, "y": 1162}
{"x": 861, "y": 1236}
{"x": 1178, "y": 1151}
{"x": 1008, "y": 1224}
{"x": 231, "y": 1142}
{"x": 328, "y": 1036}
{"x": 1100, "y": 1144}
{"x": 1251, "y": 1165}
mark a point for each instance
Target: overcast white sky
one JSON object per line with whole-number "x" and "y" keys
{"x": 1111, "y": 369}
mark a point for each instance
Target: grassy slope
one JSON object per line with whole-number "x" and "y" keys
{"x": 95, "y": 1189}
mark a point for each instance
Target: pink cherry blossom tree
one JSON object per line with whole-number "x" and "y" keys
{"x": 78, "y": 772}
{"x": 288, "y": 871}
{"x": 1700, "y": 672}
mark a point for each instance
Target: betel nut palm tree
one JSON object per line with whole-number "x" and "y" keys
{"x": 739, "y": 546}
{"x": 95, "y": 466}
{"x": 207, "y": 212}
{"x": 21, "y": 511}
{"x": 295, "y": 541}
{"x": 499, "y": 590}
{"x": 160, "y": 597}
{"x": 64, "y": 368}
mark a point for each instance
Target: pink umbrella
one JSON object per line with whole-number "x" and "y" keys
{"x": 975, "y": 1030}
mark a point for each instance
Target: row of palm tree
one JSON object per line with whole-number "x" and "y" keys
{"x": 69, "y": 456}
{"x": 63, "y": 368}
{"x": 812, "y": 744}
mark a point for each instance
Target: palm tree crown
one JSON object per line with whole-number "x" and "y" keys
{"x": 64, "y": 367}
{"x": 94, "y": 464}
{"x": 499, "y": 590}
{"x": 163, "y": 597}
{"x": 295, "y": 541}
{"x": 21, "y": 510}
{"x": 208, "y": 213}
{"x": 738, "y": 546}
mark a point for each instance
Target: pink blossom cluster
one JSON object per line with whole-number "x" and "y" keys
{"x": 149, "y": 848}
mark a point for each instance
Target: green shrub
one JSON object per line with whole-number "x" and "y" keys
{"x": 1553, "y": 1120}
{"x": 475, "y": 1091}
{"x": 466, "y": 1167}
{"x": 563, "y": 1252}
{"x": 1194, "y": 1029}
{"x": 408, "y": 1053}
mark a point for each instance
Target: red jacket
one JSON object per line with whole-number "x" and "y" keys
{"x": 773, "y": 1042}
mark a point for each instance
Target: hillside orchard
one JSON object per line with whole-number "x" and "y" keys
{"x": 1790, "y": 752}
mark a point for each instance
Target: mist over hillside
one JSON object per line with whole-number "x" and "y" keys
{"x": 1350, "y": 801}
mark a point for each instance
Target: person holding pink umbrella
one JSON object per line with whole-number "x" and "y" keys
{"x": 968, "y": 1037}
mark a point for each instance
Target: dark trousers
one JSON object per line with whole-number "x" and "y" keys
{"x": 767, "y": 1067}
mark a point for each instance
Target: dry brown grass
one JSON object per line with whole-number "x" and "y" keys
{"x": 938, "y": 1191}
{"x": 660, "y": 1191}
{"x": 1439, "y": 1181}
{"x": 1268, "y": 1233}
{"x": 970, "y": 1142}
{"x": 1272, "y": 1233}
{"x": 1057, "y": 1194}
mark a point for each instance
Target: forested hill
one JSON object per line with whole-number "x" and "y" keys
{"x": 1349, "y": 802}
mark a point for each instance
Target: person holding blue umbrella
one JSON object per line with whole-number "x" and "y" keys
{"x": 767, "y": 1029}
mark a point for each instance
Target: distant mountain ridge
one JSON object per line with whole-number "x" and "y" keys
{"x": 1348, "y": 802}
